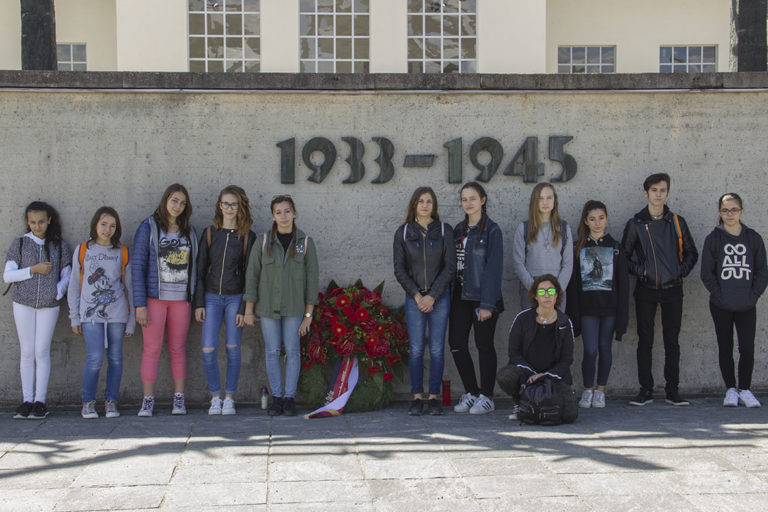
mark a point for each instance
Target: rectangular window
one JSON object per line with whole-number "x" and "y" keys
{"x": 688, "y": 59}
{"x": 442, "y": 36}
{"x": 334, "y": 36}
{"x": 586, "y": 59}
{"x": 71, "y": 57}
{"x": 224, "y": 35}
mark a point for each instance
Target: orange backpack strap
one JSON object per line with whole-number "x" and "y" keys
{"x": 123, "y": 261}
{"x": 208, "y": 236}
{"x": 245, "y": 248}
{"x": 679, "y": 238}
{"x": 81, "y": 259}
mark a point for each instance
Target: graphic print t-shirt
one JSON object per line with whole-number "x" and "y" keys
{"x": 596, "y": 268}
{"x": 173, "y": 252}
{"x": 461, "y": 250}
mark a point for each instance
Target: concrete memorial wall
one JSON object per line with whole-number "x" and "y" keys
{"x": 351, "y": 149}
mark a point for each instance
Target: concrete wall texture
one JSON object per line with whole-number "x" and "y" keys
{"x": 82, "y": 148}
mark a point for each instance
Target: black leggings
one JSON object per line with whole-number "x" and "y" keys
{"x": 463, "y": 319}
{"x": 745, "y": 322}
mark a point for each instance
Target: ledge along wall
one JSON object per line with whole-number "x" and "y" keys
{"x": 81, "y": 140}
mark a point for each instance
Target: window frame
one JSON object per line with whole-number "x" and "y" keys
{"x": 71, "y": 63}
{"x": 314, "y": 63}
{"x": 225, "y": 8}
{"x": 427, "y": 63}
{"x": 586, "y": 64}
{"x": 685, "y": 66}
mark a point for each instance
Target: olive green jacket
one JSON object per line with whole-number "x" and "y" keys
{"x": 280, "y": 285}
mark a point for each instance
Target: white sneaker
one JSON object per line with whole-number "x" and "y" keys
{"x": 483, "y": 405}
{"x": 147, "y": 406}
{"x": 466, "y": 402}
{"x": 747, "y": 398}
{"x": 178, "y": 404}
{"x": 110, "y": 409}
{"x": 586, "y": 399}
{"x": 731, "y": 398}
{"x": 89, "y": 410}
{"x": 598, "y": 399}
{"x": 215, "y": 407}
{"x": 228, "y": 409}
{"x": 515, "y": 412}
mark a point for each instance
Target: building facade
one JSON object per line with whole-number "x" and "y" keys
{"x": 384, "y": 36}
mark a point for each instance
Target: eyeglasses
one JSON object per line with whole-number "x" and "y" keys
{"x": 229, "y": 206}
{"x": 542, "y": 292}
{"x": 732, "y": 211}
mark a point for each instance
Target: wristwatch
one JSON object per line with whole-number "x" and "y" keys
{"x": 307, "y": 315}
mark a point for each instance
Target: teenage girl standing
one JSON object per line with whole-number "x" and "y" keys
{"x": 100, "y": 308}
{"x": 733, "y": 268}
{"x": 221, "y": 264}
{"x": 543, "y": 244}
{"x": 163, "y": 266}
{"x": 39, "y": 263}
{"x": 281, "y": 288}
{"x": 598, "y": 302}
{"x": 476, "y": 299}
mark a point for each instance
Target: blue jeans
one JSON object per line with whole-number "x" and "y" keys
{"x": 93, "y": 333}
{"x": 597, "y": 334}
{"x": 437, "y": 320}
{"x": 278, "y": 332}
{"x": 218, "y": 308}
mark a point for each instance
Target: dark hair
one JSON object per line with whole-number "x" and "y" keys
{"x": 484, "y": 215}
{"x": 414, "y": 202}
{"x": 273, "y": 232}
{"x": 656, "y": 178}
{"x": 244, "y": 219}
{"x": 583, "y": 230}
{"x": 535, "y": 286}
{"x": 161, "y": 213}
{"x": 534, "y": 215}
{"x": 107, "y": 210}
{"x": 730, "y": 196}
{"x": 53, "y": 233}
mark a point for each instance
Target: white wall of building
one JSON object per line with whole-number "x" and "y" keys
{"x": 512, "y": 36}
{"x": 279, "y": 36}
{"x": 10, "y": 34}
{"x": 389, "y": 36}
{"x": 91, "y": 22}
{"x": 151, "y": 35}
{"x": 637, "y": 29}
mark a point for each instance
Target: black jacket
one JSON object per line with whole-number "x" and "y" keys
{"x": 425, "y": 260}
{"x": 522, "y": 343}
{"x": 652, "y": 250}
{"x": 221, "y": 266}
{"x": 600, "y": 302}
{"x": 733, "y": 268}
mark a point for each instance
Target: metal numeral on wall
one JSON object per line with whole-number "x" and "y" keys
{"x": 324, "y": 146}
{"x": 355, "y": 159}
{"x": 493, "y": 148}
{"x": 386, "y": 169}
{"x": 556, "y": 154}
{"x": 526, "y": 163}
{"x": 287, "y": 161}
{"x": 455, "y": 169}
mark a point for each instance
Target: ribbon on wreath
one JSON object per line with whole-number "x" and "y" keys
{"x": 340, "y": 387}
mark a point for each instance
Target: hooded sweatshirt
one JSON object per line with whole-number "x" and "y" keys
{"x": 733, "y": 268}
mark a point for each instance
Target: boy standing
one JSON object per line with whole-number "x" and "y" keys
{"x": 660, "y": 252}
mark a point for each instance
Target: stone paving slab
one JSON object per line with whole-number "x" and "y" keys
{"x": 657, "y": 457}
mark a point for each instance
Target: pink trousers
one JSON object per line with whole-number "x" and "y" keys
{"x": 176, "y": 314}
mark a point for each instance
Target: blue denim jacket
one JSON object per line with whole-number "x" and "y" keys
{"x": 483, "y": 265}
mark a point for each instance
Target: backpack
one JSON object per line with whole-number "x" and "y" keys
{"x": 563, "y": 236}
{"x": 541, "y": 403}
{"x": 123, "y": 261}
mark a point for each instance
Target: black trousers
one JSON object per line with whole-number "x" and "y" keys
{"x": 464, "y": 319}
{"x": 745, "y": 323}
{"x": 511, "y": 377}
{"x": 671, "y": 302}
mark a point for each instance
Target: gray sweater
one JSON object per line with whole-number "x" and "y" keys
{"x": 37, "y": 290}
{"x": 541, "y": 257}
{"x": 104, "y": 297}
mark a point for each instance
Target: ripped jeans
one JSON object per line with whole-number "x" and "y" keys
{"x": 218, "y": 308}
{"x": 278, "y": 332}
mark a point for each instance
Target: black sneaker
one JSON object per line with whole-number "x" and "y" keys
{"x": 645, "y": 396}
{"x": 434, "y": 407}
{"x": 22, "y": 412}
{"x": 417, "y": 407}
{"x": 276, "y": 409}
{"x": 289, "y": 406}
{"x": 674, "y": 398}
{"x": 39, "y": 411}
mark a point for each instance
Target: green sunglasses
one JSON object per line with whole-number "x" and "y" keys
{"x": 542, "y": 292}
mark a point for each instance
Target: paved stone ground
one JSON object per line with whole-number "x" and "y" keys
{"x": 620, "y": 458}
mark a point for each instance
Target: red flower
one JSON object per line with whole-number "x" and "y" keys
{"x": 361, "y": 315}
{"x": 373, "y": 370}
{"x": 356, "y": 305}
{"x": 380, "y": 329}
{"x": 342, "y": 300}
{"x": 335, "y": 292}
{"x": 348, "y": 311}
{"x": 372, "y": 298}
{"x": 393, "y": 359}
{"x": 379, "y": 349}
{"x": 371, "y": 339}
{"x": 345, "y": 346}
{"x": 307, "y": 365}
{"x": 369, "y": 326}
{"x": 388, "y": 376}
{"x": 338, "y": 329}
{"x": 315, "y": 349}
{"x": 384, "y": 311}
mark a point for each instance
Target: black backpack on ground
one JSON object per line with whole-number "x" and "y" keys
{"x": 541, "y": 403}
